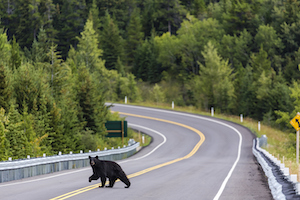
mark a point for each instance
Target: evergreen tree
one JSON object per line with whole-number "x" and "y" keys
{"x": 245, "y": 91}
{"x": 85, "y": 95}
{"x": 267, "y": 38}
{"x": 58, "y": 72}
{"x": 212, "y": 93}
{"x": 111, "y": 42}
{"x": 69, "y": 116}
{"x": 119, "y": 10}
{"x": 5, "y": 92}
{"x": 19, "y": 146}
{"x": 88, "y": 50}
{"x": 146, "y": 66}
{"x": 42, "y": 127}
{"x": 5, "y": 48}
{"x": 135, "y": 35}
{"x": 198, "y": 8}
{"x": 27, "y": 86}
{"x": 28, "y": 126}
{"x": 27, "y": 19}
{"x": 237, "y": 48}
{"x": 291, "y": 70}
{"x": 94, "y": 16}
{"x": 236, "y": 16}
{"x": 4, "y": 144}
{"x": 40, "y": 48}
{"x": 47, "y": 10}
{"x": 15, "y": 58}
{"x": 59, "y": 141}
{"x": 260, "y": 62}
{"x": 69, "y": 21}
{"x": 169, "y": 16}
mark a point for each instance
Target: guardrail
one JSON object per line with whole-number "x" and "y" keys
{"x": 282, "y": 185}
{"x": 19, "y": 169}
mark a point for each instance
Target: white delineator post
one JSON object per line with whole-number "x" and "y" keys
{"x": 258, "y": 125}
{"x": 125, "y": 99}
{"x": 241, "y": 117}
{"x": 212, "y": 111}
{"x": 172, "y": 104}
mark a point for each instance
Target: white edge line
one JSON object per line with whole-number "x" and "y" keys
{"x": 149, "y": 129}
{"x": 207, "y": 119}
{"x": 87, "y": 168}
{"x": 41, "y": 179}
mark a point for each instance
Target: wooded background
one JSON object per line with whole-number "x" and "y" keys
{"x": 61, "y": 60}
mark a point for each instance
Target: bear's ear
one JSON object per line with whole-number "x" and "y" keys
{"x": 90, "y": 157}
{"x": 96, "y": 157}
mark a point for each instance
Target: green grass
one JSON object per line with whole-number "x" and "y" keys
{"x": 277, "y": 140}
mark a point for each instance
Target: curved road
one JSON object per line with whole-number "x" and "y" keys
{"x": 191, "y": 157}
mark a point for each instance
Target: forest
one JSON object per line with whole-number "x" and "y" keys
{"x": 61, "y": 60}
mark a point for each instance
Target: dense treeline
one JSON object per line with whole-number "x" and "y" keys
{"x": 61, "y": 60}
{"x": 50, "y": 105}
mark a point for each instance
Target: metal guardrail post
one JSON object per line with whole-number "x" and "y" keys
{"x": 14, "y": 170}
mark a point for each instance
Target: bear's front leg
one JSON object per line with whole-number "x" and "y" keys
{"x": 93, "y": 177}
{"x": 103, "y": 180}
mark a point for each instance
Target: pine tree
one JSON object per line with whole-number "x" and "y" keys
{"x": 91, "y": 100}
{"x": 33, "y": 146}
{"x": 5, "y": 92}
{"x": 85, "y": 96}
{"x": 69, "y": 22}
{"x": 4, "y": 144}
{"x": 169, "y": 16}
{"x": 88, "y": 50}
{"x": 5, "y": 48}
{"x": 135, "y": 35}
{"x": 94, "y": 16}
{"x": 119, "y": 10}
{"x": 27, "y": 85}
{"x": 16, "y": 134}
{"x": 146, "y": 66}
{"x": 25, "y": 18}
{"x": 58, "y": 72}
{"x": 219, "y": 94}
{"x": 15, "y": 58}
{"x": 40, "y": 48}
{"x": 57, "y": 138}
{"x": 47, "y": 10}
{"x": 111, "y": 42}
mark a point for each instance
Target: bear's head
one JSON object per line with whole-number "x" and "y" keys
{"x": 93, "y": 160}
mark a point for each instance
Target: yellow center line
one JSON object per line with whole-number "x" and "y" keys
{"x": 195, "y": 149}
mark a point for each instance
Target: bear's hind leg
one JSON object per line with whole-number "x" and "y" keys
{"x": 112, "y": 181}
{"x": 124, "y": 179}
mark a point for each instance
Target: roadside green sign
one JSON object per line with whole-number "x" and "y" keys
{"x": 116, "y": 128}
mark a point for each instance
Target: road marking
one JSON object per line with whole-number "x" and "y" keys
{"x": 195, "y": 149}
{"x": 148, "y": 154}
{"x": 45, "y": 178}
{"x": 207, "y": 119}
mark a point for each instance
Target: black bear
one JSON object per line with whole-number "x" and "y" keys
{"x": 107, "y": 169}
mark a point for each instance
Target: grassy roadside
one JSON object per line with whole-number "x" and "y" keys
{"x": 277, "y": 139}
{"x": 131, "y": 134}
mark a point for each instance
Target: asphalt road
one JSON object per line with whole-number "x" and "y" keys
{"x": 191, "y": 157}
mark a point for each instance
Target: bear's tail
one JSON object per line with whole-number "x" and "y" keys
{"x": 124, "y": 179}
